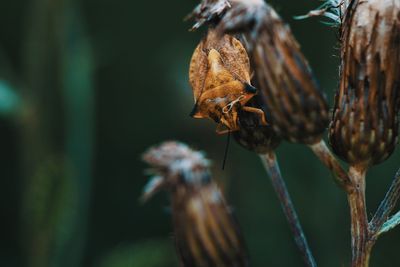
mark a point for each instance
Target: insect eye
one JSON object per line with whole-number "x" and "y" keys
{"x": 250, "y": 89}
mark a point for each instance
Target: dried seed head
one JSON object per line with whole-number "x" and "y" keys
{"x": 206, "y": 232}
{"x": 365, "y": 121}
{"x": 220, "y": 77}
{"x": 295, "y": 107}
{"x": 208, "y": 10}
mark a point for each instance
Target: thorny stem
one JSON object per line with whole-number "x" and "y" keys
{"x": 325, "y": 155}
{"x": 271, "y": 165}
{"x": 360, "y": 242}
{"x": 386, "y": 207}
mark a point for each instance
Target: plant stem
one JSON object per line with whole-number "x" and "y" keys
{"x": 360, "y": 242}
{"x": 387, "y": 205}
{"x": 390, "y": 224}
{"x": 271, "y": 165}
{"x": 325, "y": 155}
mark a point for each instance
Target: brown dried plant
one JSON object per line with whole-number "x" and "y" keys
{"x": 206, "y": 232}
{"x": 365, "y": 125}
{"x": 249, "y": 75}
{"x": 364, "y": 129}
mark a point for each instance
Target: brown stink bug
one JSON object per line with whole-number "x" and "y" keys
{"x": 220, "y": 78}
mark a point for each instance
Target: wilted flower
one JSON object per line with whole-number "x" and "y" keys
{"x": 206, "y": 233}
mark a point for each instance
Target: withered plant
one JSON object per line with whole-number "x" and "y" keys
{"x": 206, "y": 232}
{"x": 282, "y": 101}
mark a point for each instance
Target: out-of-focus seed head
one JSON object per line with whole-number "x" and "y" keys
{"x": 174, "y": 163}
{"x": 206, "y": 232}
{"x": 220, "y": 78}
{"x": 207, "y": 11}
{"x": 295, "y": 106}
{"x": 365, "y": 122}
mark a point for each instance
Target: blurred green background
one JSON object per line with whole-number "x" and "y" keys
{"x": 87, "y": 86}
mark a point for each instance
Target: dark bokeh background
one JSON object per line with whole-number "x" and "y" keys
{"x": 87, "y": 86}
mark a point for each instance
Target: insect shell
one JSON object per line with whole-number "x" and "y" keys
{"x": 220, "y": 78}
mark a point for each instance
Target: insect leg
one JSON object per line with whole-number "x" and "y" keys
{"x": 221, "y": 129}
{"x": 257, "y": 111}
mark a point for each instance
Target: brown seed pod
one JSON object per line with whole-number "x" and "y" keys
{"x": 206, "y": 232}
{"x": 365, "y": 122}
{"x": 220, "y": 78}
{"x": 295, "y": 106}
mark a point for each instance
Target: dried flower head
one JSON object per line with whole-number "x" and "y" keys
{"x": 365, "y": 122}
{"x": 208, "y": 10}
{"x": 206, "y": 233}
{"x": 295, "y": 106}
{"x": 220, "y": 77}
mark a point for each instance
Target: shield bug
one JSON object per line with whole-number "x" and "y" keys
{"x": 220, "y": 78}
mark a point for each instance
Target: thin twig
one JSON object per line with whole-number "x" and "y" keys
{"x": 271, "y": 165}
{"x": 360, "y": 245}
{"x": 325, "y": 155}
{"x": 390, "y": 224}
{"x": 387, "y": 206}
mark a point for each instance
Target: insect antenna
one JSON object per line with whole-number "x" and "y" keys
{"x": 226, "y": 149}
